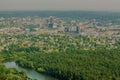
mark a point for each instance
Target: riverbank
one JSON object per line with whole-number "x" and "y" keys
{"x": 30, "y": 73}
{"x": 12, "y": 74}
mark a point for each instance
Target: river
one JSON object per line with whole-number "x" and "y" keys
{"x": 30, "y": 73}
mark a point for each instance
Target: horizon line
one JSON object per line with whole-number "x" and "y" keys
{"x": 62, "y": 10}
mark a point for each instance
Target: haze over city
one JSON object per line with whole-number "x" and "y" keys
{"x": 102, "y": 5}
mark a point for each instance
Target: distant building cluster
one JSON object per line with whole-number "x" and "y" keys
{"x": 52, "y": 24}
{"x": 94, "y": 32}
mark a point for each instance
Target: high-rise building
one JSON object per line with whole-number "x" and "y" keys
{"x": 77, "y": 29}
{"x": 50, "y": 25}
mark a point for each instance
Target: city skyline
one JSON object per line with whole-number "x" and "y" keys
{"x": 94, "y": 5}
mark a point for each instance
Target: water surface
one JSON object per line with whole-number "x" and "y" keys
{"x": 30, "y": 73}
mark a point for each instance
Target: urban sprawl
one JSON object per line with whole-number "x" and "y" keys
{"x": 53, "y": 34}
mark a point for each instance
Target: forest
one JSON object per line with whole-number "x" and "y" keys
{"x": 99, "y": 64}
{"x": 86, "y": 65}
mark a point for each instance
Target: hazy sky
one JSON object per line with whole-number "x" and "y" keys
{"x": 113, "y": 5}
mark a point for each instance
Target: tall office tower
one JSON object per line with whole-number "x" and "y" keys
{"x": 50, "y": 25}
{"x": 77, "y": 29}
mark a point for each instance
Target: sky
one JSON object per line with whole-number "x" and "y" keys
{"x": 102, "y": 5}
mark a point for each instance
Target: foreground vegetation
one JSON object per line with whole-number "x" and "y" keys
{"x": 86, "y": 65}
{"x": 97, "y": 64}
